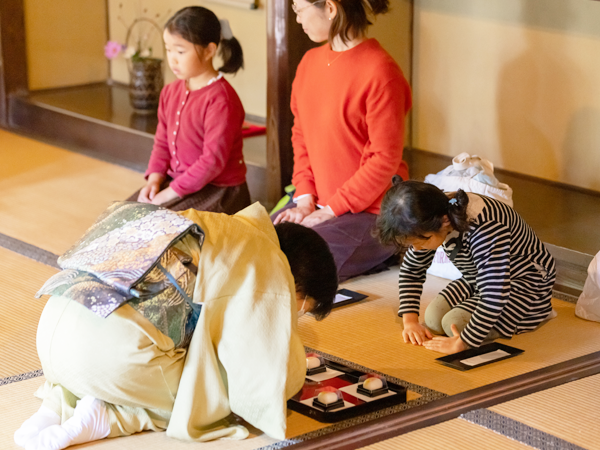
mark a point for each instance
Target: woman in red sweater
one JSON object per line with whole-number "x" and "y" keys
{"x": 349, "y": 101}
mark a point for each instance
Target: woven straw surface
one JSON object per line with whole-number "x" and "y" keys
{"x": 570, "y": 411}
{"x": 51, "y": 196}
{"x": 370, "y": 333}
{"x": 455, "y": 434}
{"x": 20, "y": 278}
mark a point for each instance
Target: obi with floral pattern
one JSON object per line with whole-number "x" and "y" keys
{"x": 140, "y": 254}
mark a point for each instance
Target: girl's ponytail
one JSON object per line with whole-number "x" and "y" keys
{"x": 457, "y": 211}
{"x": 231, "y": 53}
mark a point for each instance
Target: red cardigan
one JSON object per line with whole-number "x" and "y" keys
{"x": 199, "y": 137}
{"x": 349, "y": 122}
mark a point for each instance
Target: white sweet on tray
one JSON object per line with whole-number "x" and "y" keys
{"x": 326, "y": 397}
{"x": 312, "y": 362}
{"x": 373, "y": 383}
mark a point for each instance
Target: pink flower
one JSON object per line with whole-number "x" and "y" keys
{"x": 112, "y": 49}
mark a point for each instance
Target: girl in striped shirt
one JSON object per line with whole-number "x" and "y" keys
{"x": 508, "y": 274}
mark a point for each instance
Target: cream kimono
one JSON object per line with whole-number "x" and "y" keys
{"x": 245, "y": 354}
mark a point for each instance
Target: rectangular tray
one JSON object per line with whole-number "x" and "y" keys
{"x": 354, "y": 297}
{"x": 349, "y": 377}
{"x": 455, "y": 359}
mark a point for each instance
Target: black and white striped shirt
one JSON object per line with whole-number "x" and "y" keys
{"x": 507, "y": 273}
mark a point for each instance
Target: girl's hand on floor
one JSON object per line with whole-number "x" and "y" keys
{"x": 414, "y": 332}
{"x": 447, "y": 345}
{"x": 164, "y": 196}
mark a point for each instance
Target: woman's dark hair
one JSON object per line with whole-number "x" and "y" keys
{"x": 311, "y": 263}
{"x": 200, "y": 26}
{"x": 412, "y": 208}
{"x": 352, "y": 16}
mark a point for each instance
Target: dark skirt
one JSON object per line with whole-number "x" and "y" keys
{"x": 355, "y": 250}
{"x": 221, "y": 199}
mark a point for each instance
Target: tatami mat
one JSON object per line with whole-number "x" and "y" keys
{"x": 369, "y": 333}
{"x": 570, "y": 411}
{"x": 20, "y": 279}
{"x": 17, "y": 404}
{"x": 51, "y": 196}
{"x": 455, "y": 434}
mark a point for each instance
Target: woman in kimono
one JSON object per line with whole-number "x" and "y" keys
{"x": 140, "y": 366}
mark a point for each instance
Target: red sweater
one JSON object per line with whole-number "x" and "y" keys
{"x": 199, "y": 137}
{"x": 349, "y": 121}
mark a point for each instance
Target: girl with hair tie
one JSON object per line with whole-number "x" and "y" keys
{"x": 508, "y": 274}
{"x": 197, "y": 159}
{"x": 349, "y": 101}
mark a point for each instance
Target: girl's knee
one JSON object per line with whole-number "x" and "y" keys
{"x": 457, "y": 316}
{"x": 434, "y": 314}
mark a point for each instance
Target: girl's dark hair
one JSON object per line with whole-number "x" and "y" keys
{"x": 352, "y": 16}
{"x": 200, "y": 26}
{"x": 311, "y": 263}
{"x": 412, "y": 208}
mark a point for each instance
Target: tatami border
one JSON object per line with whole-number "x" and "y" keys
{"x": 28, "y": 250}
{"x": 565, "y": 297}
{"x": 21, "y": 377}
{"x": 517, "y": 431}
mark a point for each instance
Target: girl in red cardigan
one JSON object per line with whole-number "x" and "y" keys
{"x": 349, "y": 100}
{"x": 197, "y": 159}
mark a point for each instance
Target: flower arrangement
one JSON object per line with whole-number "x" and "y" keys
{"x": 143, "y": 31}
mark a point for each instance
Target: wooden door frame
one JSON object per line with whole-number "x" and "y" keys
{"x": 13, "y": 55}
{"x": 286, "y": 44}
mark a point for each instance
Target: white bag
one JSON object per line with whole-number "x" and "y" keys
{"x": 471, "y": 174}
{"x": 588, "y": 305}
{"x": 442, "y": 266}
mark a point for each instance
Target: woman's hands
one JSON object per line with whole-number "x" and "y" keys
{"x": 317, "y": 217}
{"x": 304, "y": 207}
{"x": 448, "y": 345}
{"x": 414, "y": 332}
{"x": 305, "y": 213}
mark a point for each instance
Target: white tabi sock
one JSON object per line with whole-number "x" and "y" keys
{"x": 43, "y": 418}
{"x": 89, "y": 423}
